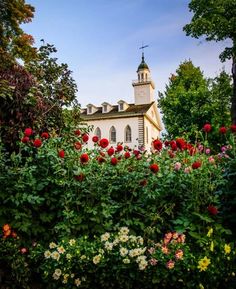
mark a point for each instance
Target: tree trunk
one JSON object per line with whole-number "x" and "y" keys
{"x": 233, "y": 99}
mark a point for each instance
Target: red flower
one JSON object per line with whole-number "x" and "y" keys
{"x": 84, "y": 158}
{"x": 101, "y": 160}
{"x": 212, "y": 210}
{"x": 110, "y": 151}
{"x": 102, "y": 154}
{"x": 173, "y": 145}
{"x": 207, "y": 127}
{"x": 80, "y": 177}
{"x": 77, "y": 145}
{"x": 25, "y": 139}
{"x": 196, "y": 165}
{"x": 114, "y": 161}
{"x": 154, "y": 168}
{"x": 143, "y": 183}
{"x": 233, "y": 128}
{"x": 171, "y": 154}
{"x": 77, "y": 132}
{"x": 85, "y": 137}
{"x": 127, "y": 155}
{"x": 45, "y": 135}
{"x": 61, "y": 154}
{"x": 166, "y": 143}
{"x": 119, "y": 148}
{"x": 95, "y": 138}
{"x": 157, "y": 144}
{"x": 136, "y": 152}
{"x": 37, "y": 143}
{"x": 13, "y": 234}
{"x": 223, "y": 130}
{"x": 181, "y": 144}
{"x": 103, "y": 143}
{"x": 28, "y": 131}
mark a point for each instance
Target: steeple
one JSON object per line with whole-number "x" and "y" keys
{"x": 143, "y": 86}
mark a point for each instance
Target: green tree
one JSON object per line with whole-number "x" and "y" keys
{"x": 216, "y": 20}
{"x": 191, "y": 100}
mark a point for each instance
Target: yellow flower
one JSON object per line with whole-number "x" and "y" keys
{"x": 55, "y": 255}
{"x": 201, "y": 286}
{"x": 203, "y": 264}
{"x": 72, "y": 242}
{"x": 77, "y": 282}
{"x": 212, "y": 246}
{"x": 47, "y": 254}
{"x": 210, "y": 232}
{"x": 227, "y": 249}
{"x": 52, "y": 245}
{"x": 96, "y": 259}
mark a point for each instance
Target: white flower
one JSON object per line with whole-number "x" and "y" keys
{"x": 101, "y": 251}
{"x": 140, "y": 240}
{"x": 105, "y": 237}
{"x": 141, "y": 259}
{"x": 126, "y": 261}
{"x": 123, "y": 251}
{"x": 96, "y": 259}
{"x": 133, "y": 239}
{"x": 72, "y": 275}
{"x": 83, "y": 257}
{"x": 55, "y": 276}
{"x": 123, "y": 238}
{"x": 55, "y": 255}
{"x": 47, "y": 254}
{"x": 124, "y": 231}
{"x": 65, "y": 281}
{"x": 72, "y": 242}
{"x": 52, "y": 245}
{"x": 68, "y": 256}
{"x": 57, "y": 272}
{"x": 77, "y": 282}
{"x": 142, "y": 265}
{"x": 115, "y": 242}
{"x": 61, "y": 250}
{"x": 108, "y": 246}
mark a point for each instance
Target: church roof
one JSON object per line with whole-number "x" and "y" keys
{"x": 132, "y": 110}
{"x": 143, "y": 64}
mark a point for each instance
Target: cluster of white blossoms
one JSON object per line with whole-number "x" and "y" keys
{"x": 129, "y": 247}
{"x": 55, "y": 255}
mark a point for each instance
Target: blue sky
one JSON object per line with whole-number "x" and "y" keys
{"x": 100, "y": 40}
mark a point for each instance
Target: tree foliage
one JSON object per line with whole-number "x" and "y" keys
{"x": 216, "y": 20}
{"x": 191, "y": 100}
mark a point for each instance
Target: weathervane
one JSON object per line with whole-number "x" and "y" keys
{"x": 142, "y": 47}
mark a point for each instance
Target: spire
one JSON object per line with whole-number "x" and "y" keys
{"x": 143, "y": 64}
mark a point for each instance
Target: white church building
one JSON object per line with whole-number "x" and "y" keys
{"x": 132, "y": 124}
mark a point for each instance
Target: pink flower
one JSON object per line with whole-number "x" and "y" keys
{"x": 165, "y": 250}
{"x": 153, "y": 261}
{"x": 179, "y": 254}
{"x": 208, "y": 151}
{"x": 211, "y": 160}
{"x": 170, "y": 264}
{"x": 177, "y": 166}
{"x": 187, "y": 170}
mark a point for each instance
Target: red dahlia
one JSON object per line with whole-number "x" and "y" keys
{"x": 101, "y": 160}
{"x": 233, "y": 128}
{"x": 95, "y": 138}
{"x": 196, "y": 165}
{"x": 103, "y": 143}
{"x": 223, "y": 130}
{"x": 157, "y": 144}
{"x": 25, "y": 139}
{"x": 37, "y": 143}
{"x": 154, "y": 168}
{"x": 173, "y": 145}
{"x": 119, "y": 148}
{"x": 78, "y": 145}
{"x": 181, "y": 144}
{"x": 114, "y": 161}
{"x": 207, "y": 127}
{"x": 28, "y": 131}
{"x": 45, "y": 135}
{"x": 84, "y": 158}
{"x": 61, "y": 154}
{"x": 127, "y": 155}
{"x": 85, "y": 137}
{"x": 212, "y": 210}
{"x": 110, "y": 151}
{"x": 77, "y": 132}
{"x": 79, "y": 177}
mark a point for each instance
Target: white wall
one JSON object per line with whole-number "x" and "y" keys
{"x": 119, "y": 124}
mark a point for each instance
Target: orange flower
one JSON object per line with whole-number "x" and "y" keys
{"x": 6, "y": 227}
{"x": 7, "y": 233}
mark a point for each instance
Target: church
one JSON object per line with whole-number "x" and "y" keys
{"x": 133, "y": 124}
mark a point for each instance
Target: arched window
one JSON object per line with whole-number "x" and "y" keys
{"x": 98, "y": 132}
{"x": 112, "y": 134}
{"x": 146, "y": 134}
{"x": 128, "y": 134}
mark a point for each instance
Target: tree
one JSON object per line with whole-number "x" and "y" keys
{"x": 216, "y": 20}
{"x": 14, "y": 42}
{"x": 191, "y": 100}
